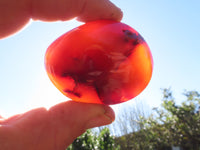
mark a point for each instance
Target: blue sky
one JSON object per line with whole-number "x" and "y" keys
{"x": 171, "y": 29}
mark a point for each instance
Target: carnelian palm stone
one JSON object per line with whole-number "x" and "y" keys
{"x": 104, "y": 62}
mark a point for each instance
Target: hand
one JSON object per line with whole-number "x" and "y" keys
{"x": 56, "y": 128}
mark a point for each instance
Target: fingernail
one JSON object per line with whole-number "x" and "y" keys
{"x": 109, "y": 113}
{"x": 107, "y": 117}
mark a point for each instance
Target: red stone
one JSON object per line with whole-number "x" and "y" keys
{"x": 105, "y": 62}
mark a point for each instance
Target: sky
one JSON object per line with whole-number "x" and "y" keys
{"x": 171, "y": 28}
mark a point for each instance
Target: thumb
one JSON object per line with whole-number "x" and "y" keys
{"x": 71, "y": 119}
{"x": 52, "y": 129}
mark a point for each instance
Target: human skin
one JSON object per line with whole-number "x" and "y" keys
{"x": 52, "y": 129}
{"x": 15, "y": 14}
{"x": 57, "y": 127}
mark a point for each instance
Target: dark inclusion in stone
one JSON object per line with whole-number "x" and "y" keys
{"x": 64, "y": 74}
{"x": 133, "y": 37}
{"x": 72, "y": 92}
{"x": 128, "y": 52}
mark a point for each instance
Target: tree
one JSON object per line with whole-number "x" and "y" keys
{"x": 106, "y": 140}
{"x": 183, "y": 120}
{"x": 91, "y": 141}
{"x": 129, "y": 121}
{"x": 169, "y": 125}
{"x": 87, "y": 141}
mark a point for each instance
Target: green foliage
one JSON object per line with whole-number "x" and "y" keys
{"x": 87, "y": 141}
{"x": 90, "y": 141}
{"x": 183, "y": 121}
{"x": 106, "y": 140}
{"x": 169, "y": 125}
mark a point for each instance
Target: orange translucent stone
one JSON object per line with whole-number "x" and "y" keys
{"x": 104, "y": 62}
